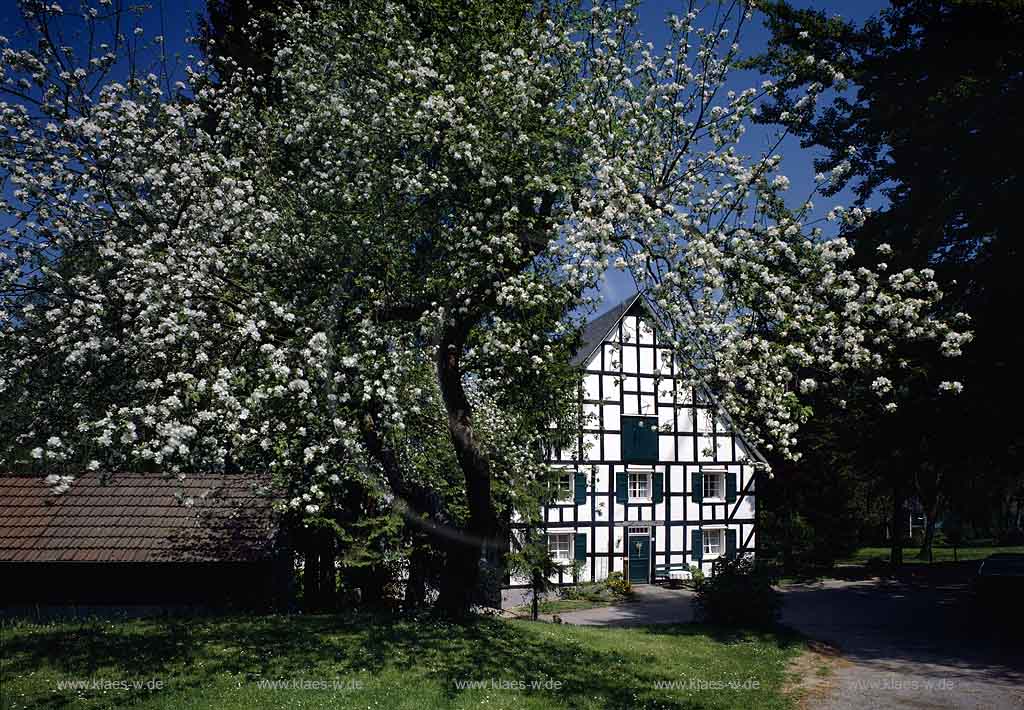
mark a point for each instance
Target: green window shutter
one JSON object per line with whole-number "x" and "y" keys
{"x": 580, "y": 491}
{"x": 697, "y": 486}
{"x": 640, "y": 439}
{"x": 696, "y": 545}
{"x": 621, "y": 487}
{"x": 658, "y": 487}
{"x": 730, "y": 543}
{"x": 580, "y": 547}
{"x": 730, "y": 487}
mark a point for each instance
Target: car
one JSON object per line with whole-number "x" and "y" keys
{"x": 999, "y": 582}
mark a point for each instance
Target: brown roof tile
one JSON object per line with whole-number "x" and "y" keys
{"x": 134, "y": 517}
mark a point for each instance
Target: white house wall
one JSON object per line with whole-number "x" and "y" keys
{"x": 631, "y": 374}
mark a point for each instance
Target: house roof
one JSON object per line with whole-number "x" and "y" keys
{"x": 596, "y": 330}
{"x": 133, "y": 517}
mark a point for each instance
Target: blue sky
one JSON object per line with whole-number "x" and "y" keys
{"x": 797, "y": 162}
{"x": 176, "y": 20}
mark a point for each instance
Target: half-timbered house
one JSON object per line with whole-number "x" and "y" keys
{"x": 658, "y": 479}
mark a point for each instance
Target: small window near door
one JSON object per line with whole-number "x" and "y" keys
{"x": 559, "y": 546}
{"x": 640, "y": 485}
{"x": 713, "y": 544}
{"x": 714, "y": 486}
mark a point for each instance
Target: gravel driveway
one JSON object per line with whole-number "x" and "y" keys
{"x": 909, "y": 645}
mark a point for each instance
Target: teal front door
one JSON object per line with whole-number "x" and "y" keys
{"x": 639, "y": 559}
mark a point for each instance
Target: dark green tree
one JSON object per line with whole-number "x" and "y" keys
{"x": 241, "y": 35}
{"x": 924, "y": 116}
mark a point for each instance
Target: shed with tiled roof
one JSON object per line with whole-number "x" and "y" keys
{"x": 128, "y": 539}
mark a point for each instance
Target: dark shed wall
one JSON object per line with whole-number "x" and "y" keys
{"x": 241, "y": 585}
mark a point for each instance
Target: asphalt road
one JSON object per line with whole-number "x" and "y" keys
{"x": 921, "y": 644}
{"x": 911, "y": 645}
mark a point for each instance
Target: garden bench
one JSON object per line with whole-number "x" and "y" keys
{"x": 678, "y": 572}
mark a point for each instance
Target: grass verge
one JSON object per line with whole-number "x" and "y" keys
{"x": 939, "y": 554}
{"x": 384, "y": 662}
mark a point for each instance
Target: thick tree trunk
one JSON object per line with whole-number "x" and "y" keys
{"x": 462, "y": 573}
{"x": 459, "y": 577}
{"x": 479, "y": 539}
{"x": 417, "y": 502}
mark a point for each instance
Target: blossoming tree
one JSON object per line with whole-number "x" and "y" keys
{"x": 192, "y": 276}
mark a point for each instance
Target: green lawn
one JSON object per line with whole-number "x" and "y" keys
{"x": 940, "y": 554}
{"x": 389, "y": 663}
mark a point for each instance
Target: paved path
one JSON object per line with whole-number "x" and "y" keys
{"x": 650, "y": 605}
{"x": 909, "y": 646}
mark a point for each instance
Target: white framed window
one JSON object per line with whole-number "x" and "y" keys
{"x": 640, "y": 485}
{"x": 639, "y": 404}
{"x": 563, "y": 486}
{"x": 640, "y": 531}
{"x": 714, "y": 486}
{"x": 714, "y": 543}
{"x": 560, "y": 546}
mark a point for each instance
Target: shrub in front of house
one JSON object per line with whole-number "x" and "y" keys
{"x": 618, "y": 585}
{"x": 586, "y": 591}
{"x": 737, "y": 593}
{"x": 614, "y": 588}
{"x": 696, "y": 575}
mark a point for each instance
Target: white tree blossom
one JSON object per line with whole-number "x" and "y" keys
{"x": 191, "y": 276}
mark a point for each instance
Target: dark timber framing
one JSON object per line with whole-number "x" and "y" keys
{"x": 695, "y": 425}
